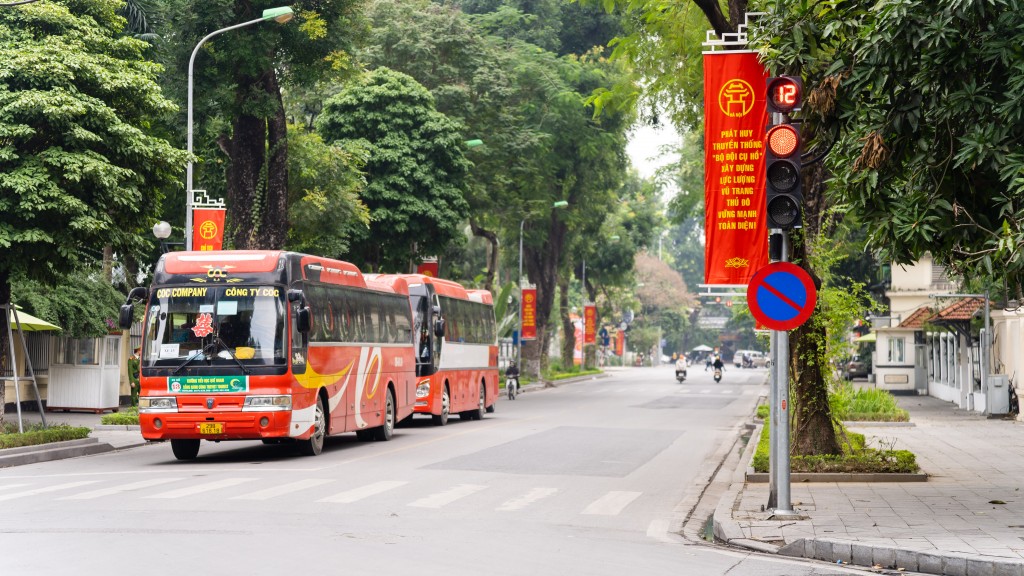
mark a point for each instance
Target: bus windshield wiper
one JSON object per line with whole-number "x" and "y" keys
{"x": 218, "y": 342}
{"x": 194, "y": 355}
{"x": 214, "y": 347}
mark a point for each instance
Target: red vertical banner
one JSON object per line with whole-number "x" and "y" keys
{"x": 429, "y": 267}
{"x": 620, "y": 343}
{"x": 529, "y": 303}
{"x": 735, "y": 227}
{"x": 208, "y": 228}
{"x": 590, "y": 324}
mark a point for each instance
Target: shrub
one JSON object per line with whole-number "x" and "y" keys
{"x": 856, "y": 458}
{"x": 38, "y": 435}
{"x": 126, "y": 417}
{"x": 872, "y": 404}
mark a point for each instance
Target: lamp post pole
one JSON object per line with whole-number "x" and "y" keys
{"x": 280, "y": 15}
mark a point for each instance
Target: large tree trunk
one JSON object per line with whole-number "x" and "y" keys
{"x": 542, "y": 267}
{"x": 492, "y": 256}
{"x": 275, "y": 214}
{"x": 247, "y": 149}
{"x": 257, "y": 203}
{"x": 5, "y": 345}
{"x": 812, "y": 424}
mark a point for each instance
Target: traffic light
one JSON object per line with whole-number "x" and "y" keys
{"x": 785, "y": 197}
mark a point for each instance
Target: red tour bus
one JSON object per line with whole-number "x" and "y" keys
{"x": 457, "y": 352}
{"x": 271, "y": 345}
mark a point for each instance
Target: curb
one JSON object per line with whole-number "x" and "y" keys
{"x": 931, "y": 562}
{"x": 53, "y": 451}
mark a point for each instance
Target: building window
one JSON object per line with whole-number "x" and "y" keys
{"x": 897, "y": 350}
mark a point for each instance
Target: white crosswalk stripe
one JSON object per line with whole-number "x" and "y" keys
{"x": 283, "y": 489}
{"x": 612, "y": 503}
{"x": 11, "y": 486}
{"x": 201, "y": 488}
{"x": 445, "y": 498}
{"x": 526, "y": 499}
{"x": 357, "y": 494}
{"x": 118, "y": 489}
{"x": 46, "y": 489}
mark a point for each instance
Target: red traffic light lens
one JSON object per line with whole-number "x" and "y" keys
{"x": 783, "y": 140}
{"x": 784, "y": 94}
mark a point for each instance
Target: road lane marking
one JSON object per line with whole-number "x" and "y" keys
{"x": 445, "y": 498}
{"x": 526, "y": 499}
{"x": 356, "y": 494}
{"x": 200, "y": 488}
{"x": 53, "y": 488}
{"x": 118, "y": 489}
{"x": 611, "y": 503}
{"x": 283, "y": 489}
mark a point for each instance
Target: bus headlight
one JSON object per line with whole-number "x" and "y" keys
{"x": 423, "y": 389}
{"x": 267, "y": 403}
{"x": 158, "y": 404}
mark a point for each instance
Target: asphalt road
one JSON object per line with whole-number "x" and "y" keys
{"x": 594, "y": 477}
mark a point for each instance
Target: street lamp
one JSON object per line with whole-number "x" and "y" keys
{"x": 280, "y": 15}
{"x": 560, "y": 204}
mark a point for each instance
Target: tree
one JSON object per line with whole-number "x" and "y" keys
{"x": 240, "y": 127}
{"x": 78, "y": 163}
{"x": 414, "y": 168}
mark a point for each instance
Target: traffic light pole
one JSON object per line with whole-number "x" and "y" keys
{"x": 779, "y": 498}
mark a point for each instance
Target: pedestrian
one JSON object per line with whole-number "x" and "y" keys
{"x": 134, "y": 366}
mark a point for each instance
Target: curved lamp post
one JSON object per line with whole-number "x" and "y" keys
{"x": 280, "y": 15}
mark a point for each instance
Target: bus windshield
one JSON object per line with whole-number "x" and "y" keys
{"x": 243, "y": 323}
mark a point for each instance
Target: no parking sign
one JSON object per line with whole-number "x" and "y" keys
{"x": 781, "y": 296}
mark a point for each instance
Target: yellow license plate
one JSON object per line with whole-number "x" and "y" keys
{"x": 211, "y": 428}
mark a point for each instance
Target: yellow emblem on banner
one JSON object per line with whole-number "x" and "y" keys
{"x": 736, "y": 98}
{"x": 737, "y": 263}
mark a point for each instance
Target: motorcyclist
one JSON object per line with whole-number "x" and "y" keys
{"x": 681, "y": 364}
{"x": 512, "y": 380}
{"x": 718, "y": 364}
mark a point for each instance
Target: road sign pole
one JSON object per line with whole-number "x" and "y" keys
{"x": 783, "y": 504}
{"x": 773, "y": 429}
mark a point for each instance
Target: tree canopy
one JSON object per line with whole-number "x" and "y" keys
{"x": 414, "y": 168}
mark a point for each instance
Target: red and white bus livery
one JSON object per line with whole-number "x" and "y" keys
{"x": 271, "y": 345}
{"x": 456, "y": 347}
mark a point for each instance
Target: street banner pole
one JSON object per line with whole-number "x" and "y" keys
{"x": 783, "y": 503}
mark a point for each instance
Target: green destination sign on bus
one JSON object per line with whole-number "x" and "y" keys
{"x": 207, "y": 384}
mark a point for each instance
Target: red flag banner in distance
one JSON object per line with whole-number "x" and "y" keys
{"x": 208, "y": 228}
{"x": 736, "y": 228}
{"x": 590, "y": 319}
{"x": 529, "y": 314}
{"x": 428, "y": 268}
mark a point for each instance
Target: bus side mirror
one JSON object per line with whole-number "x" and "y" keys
{"x": 126, "y": 316}
{"x": 439, "y": 328}
{"x": 304, "y": 320}
{"x": 295, "y": 296}
{"x": 127, "y": 312}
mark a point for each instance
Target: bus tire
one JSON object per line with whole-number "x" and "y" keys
{"x": 185, "y": 449}
{"x": 385, "y": 431}
{"x": 314, "y": 445}
{"x": 446, "y": 406}
{"x": 481, "y": 405}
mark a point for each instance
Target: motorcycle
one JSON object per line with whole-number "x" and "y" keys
{"x": 718, "y": 374}
{"x": 681, "y": 375}
{"x": 512, "y": 385}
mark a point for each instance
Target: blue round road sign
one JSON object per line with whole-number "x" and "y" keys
{"x": 781, "y": 296}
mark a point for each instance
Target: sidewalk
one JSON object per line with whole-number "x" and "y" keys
{"x": 966, "y": 520}
{"x": 103, "y": 438}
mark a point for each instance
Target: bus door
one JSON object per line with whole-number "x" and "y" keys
{"x": 426, "y": 316}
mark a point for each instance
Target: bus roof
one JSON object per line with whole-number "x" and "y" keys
{"x": 443, "y": 287}
{"x": 224, "y": 264}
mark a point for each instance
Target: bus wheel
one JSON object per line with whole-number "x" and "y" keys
{"x": 446, "y": 406}
{"x": 385, "y": 431}
{"x": 315, "y": 444}
{"x": 185, "y": 449}
{"x": 481, "y": 405}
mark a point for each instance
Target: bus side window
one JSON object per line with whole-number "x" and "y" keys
{"x": 298, "y": 343}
